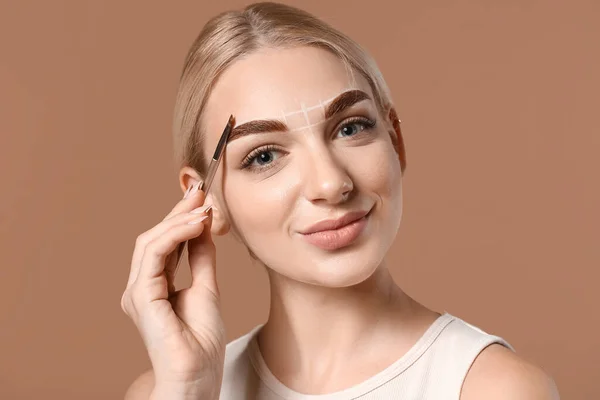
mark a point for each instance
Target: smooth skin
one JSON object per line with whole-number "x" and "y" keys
{"x": 336, "y": 317}
{"x": 182, "y": 330}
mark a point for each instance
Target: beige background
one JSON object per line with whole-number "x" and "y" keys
{"x": 499, "y": 103}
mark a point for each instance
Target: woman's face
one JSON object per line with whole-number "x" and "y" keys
{"x": 277, "y": 179}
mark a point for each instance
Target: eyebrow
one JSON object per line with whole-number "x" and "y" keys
{"x": 337, "y": 105}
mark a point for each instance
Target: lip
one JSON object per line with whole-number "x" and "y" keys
{"x": 332, "y": 224}
{"x": 346, "y": 230}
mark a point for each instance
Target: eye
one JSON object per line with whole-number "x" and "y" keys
{"x": 264, "y": 157}
{"x": 355, "y": 125}
{"x": 260, "y": 158}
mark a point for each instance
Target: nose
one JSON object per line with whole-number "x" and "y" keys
{"x": 327, "y": 179}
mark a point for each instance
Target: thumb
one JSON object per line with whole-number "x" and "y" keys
{"x": 202, "y": 258}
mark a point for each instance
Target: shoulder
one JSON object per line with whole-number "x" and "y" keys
{"x": 238, "y": 351}
{"x": 142, "y": 387}
{"x": 499, "y": 374}
{"x": 239, "y": 377}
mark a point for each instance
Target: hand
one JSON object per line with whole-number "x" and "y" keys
{"x": 183, "y": 330}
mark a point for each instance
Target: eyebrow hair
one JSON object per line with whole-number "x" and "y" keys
{"x": 337, "y": 105}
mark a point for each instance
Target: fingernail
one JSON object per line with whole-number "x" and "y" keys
{"x": 202, "y": 209}
{"x": 197, "y": 220}
{"x": 195, "y": 188}
{"x": 192, "y": 190}
{"x": 187, "y": 192}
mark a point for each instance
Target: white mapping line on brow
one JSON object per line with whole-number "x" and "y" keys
{"x": 310, "y": 126}
{"x": 284, "y": 117}
{"x": 320, "y": 105}
{"x": 307, "y": 126}
{"x": 306, "y": 117}
{"x": 304, "y": 110}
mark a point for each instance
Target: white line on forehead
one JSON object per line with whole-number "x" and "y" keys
{"x": 321, "y": 104}
{"x": 304, "y": 110}
{"x": 307, "y": 126}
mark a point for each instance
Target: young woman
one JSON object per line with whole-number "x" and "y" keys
{"x": 311, "y": 183}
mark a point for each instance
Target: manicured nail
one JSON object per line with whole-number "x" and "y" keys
{"x": 197, "y": 220}
{"x": 195, "y": 188}
{"x": 187, "y": 192}
{"x": 202, "y": 209}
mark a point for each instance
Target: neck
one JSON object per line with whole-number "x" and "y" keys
{"x": 312, "y": 329}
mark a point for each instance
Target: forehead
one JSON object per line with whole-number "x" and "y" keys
{"x": 271, "y": 83}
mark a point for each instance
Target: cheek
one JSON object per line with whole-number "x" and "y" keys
{"x": 261, "y": 208}
{"x": 380, "y": 170}
{"x": 382, "y": 180}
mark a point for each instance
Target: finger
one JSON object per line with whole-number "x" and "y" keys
{"x": 153, "y": 261}
{"x": 202, "y": 258}
{"x": 147, "y": 237}
{"x": 175, "y": 258}
{"x": 172, "y": 265}
{"x": 187, "y": 204}
{"x": 190, "y": 200}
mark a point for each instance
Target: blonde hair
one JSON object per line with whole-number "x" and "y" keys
{"x": 235, "y": 34}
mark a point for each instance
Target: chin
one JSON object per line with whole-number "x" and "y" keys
{"x": 340, "y": 269}
{"x": 342, "y": 279}
{"x": 343, "y": 267}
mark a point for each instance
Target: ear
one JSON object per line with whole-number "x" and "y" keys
{"x": 188, "y": 177}
{"x": 397, "y": 139}
{"x": 220, "y": 224}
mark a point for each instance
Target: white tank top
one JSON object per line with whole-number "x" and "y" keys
{"x": 433, "y": 369}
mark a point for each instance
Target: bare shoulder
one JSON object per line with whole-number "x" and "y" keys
{"x": 142, "y": 387}
{"x": 499, "y": 374}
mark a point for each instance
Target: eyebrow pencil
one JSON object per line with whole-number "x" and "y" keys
{"x": 206, "y": 184}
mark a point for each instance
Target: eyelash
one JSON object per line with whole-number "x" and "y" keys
{"x": 366, "y": 123}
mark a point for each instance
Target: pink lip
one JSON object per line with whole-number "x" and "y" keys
{"x": 331, "y": 224}
{"x": 335, "y": 234}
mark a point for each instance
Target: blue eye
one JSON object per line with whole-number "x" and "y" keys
{"x": 355, "y": 125}
{"x": 263, "y": 157}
